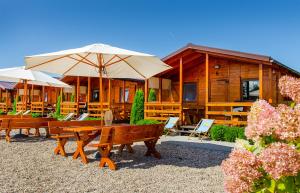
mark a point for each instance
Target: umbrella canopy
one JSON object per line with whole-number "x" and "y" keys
{"x": 90, "y": 60}
{"x": 18, "y": 74}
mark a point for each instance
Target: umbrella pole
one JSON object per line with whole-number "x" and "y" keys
{"x": 99, "y": 57}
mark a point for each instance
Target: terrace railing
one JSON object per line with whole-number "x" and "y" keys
{"x": 94, "y": 109}
{"x": 162, "y": 111}
{"x": 3, "y": 107}
{"x": 229, "y": 113}
{"x": 37, "y": 107}
{"x": 68, "y": 107}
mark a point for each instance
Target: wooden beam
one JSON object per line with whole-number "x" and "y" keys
{"x": 109, "y": 93}
{"x": 180, "y": 88}
{"x": 89, "y": 90}
{"x": 146, "y": 90}
{"x": 32, "y": 93}
{"x": 77, "y": 94}
{"x": 206, "y": 83}
{"x": 61, "y": 95}
{"x": 260, "y": 72}
{"x": 270, "y": 86}
{"x": 99, "y": 57}
{"x": 123, "y": 87}
{"x": 160, "y": 90}
{"x": 25, "y": 96}
{"x": 6, "y": 99}
{"x": 43, "y": 99}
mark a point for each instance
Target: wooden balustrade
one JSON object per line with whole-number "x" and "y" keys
{"x": 230, "y": 113}
{"x": 94, "y": 109}
{"x": 68, "y": 107}
{"x": 37, "y": 107}
{"x": 20, "y": 107}
{"x": 3, "y": 107}
{"x": 162, "y": 111}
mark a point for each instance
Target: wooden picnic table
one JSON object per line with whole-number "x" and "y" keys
{"x": 83, "y": 135}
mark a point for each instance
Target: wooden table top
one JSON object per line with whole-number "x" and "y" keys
{"x": 82, "y": 129}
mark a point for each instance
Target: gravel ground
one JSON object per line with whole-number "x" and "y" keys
{"x": 29, "y": 165}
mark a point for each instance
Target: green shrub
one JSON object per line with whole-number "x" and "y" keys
{"x": 227, "y": 133}
{"x": 14, "y": 107}
{"x": 230, "y": 134}
{"x": 152, "y": 95}
{"x": 137, "y": 110}
{"x": 35, "y": 115}
{"x": 147, "y": 122}
{"x": 72, "y": 98}
{"x": 11, "y": 113}
{"x": 217, "y": 132}
{"x": 92, "y": 118}
{"x": 57, "y": 110}
{"x": 1, "y": 112}
{"x": 241, "y": 133}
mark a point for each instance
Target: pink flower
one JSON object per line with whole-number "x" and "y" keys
{"x": 290, "y": 87}
{"x": 288, "y": 125}
{"x": 262, "y": 119}
{"x": 280, "y": 159}
{"x": 241, "y": 169}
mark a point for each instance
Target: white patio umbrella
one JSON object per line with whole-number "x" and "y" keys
{"x": 98, "y": 60}
{"x": 19, "y": 74}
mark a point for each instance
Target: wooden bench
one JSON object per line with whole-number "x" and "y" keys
{"x": 9, "y": 124}
{"x": 121, "y": 135}
{"x": 61, "y": 136}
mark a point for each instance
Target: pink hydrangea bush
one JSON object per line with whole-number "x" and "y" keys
{"x": 272, "y": 162}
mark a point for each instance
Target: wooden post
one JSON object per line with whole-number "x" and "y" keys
{"x": 6, "y": 100}
{"x": 77, "y": 94}
{"x": 99, "y": 57}
{"x": 43, "y": 99}
{"x": 109, "y": 93}
{"x": 61, "y": 95}
{"x": 25, "y": 96}
{"x": 180, "y": 89}
{"x": 124, "y": 108}
{"x": 270, "y": 86}
{"x": 146, "y": 97}
{"x": 89, "y": 90}
{"x": 146, "y": 90}
{"x": 32, "y": 93}
{"x": 206, "y": 83}
{"x": 260, "y": 72}
{"x": 160, "y": 91}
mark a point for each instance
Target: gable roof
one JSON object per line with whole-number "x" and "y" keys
{"x": 7, "y": 85}
{"x": 258, "y": 57}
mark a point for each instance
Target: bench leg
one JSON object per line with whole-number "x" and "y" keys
{"x": 80, "y": 151}
{"x": 60, "y": 149}
{"x": 151, "y": 149}
{"x": 37, "y": 132}
{"x": 7, "y": 135}
{"x": 105, "y": 159}
{"x": 128, "y": 147}
{"x": 47, "y": 132}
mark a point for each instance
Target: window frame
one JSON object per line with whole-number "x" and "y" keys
{"x": 196, "y": 92}
{"x": 242, "y": 89}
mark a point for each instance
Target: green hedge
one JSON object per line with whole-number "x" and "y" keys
{"x": 147, "y": 122}
{"x": 152, "y": 95}
{"x": 227, "y": 133}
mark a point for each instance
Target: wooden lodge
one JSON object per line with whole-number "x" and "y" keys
{"x": 84, "y": 96}
{"x": 214, "y": 83}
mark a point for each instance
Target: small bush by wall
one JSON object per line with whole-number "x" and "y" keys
{"x": 227, "y": 133}
{"x": 147, "y": 122}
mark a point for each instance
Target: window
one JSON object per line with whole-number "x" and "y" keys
{"x": 126, "y": 95}
{"x": 190, "y": 92}
{"x": 95, "y": 97}
{"x": 250, "y": 90}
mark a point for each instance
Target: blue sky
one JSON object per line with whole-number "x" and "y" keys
{"x": 156, "y": 27}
